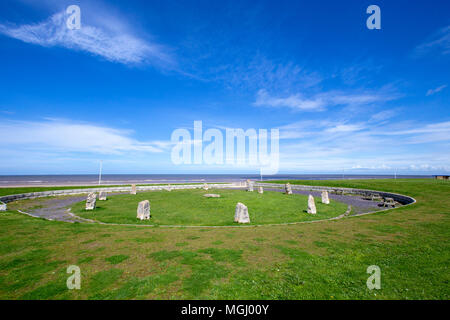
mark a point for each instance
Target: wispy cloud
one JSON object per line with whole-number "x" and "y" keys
{"x": 436, "y": 90}
{"x": 107, "y": 40}
{"x": 333, "y": 145}
{"x": 383, "y": 115}
{"x": 439, "y": 41}
{"x": 319, "y": 102}
{"x": 64, "y": 136}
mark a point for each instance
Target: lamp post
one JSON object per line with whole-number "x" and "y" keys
{"x": 100, "y": 173}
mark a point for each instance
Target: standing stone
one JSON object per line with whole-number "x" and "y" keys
{"x": 91, "y": 200}
{"x": 211, "y": 195}
{"x": 133, "y": 189}
{"x": 241, "y": 214}
{"x": 102, "y": 196}
{"x": 169, "y": 187}
{"x": 205, "y": 186}
{"x": 325, "y": 198}
{"x": 3, "y": 206}
{"x": 288, "y": 188}
{"x": 143, "y": 210}
{"x": 260, "y": 190}
{"x": 249, "y": 186}
{"x": 311, "y": 205}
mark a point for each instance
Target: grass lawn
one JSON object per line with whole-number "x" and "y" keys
{"x": 190, "y": 207}
{"x": 325, "y": 260}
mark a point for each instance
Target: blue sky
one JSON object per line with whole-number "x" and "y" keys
{"x": 345, "y": 98}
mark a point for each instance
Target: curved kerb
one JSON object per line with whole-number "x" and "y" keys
{"x": 402, "y": 199}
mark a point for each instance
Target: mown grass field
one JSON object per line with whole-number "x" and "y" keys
{"x": 191, "y": 208}
{"x": 325, "y": 260}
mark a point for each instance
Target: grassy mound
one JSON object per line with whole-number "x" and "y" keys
{"x": 190, "y": 207}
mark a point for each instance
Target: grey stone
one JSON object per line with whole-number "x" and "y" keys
{"x": 211, "y": 195}
{"x": 205, "y": 186}
{"x": 102, "y": 196}
{"x": 288, "y": 188}
{"x": 325, "y": 198}
{"x": 3, "y": 206}
{"x": 311, "y": 205}
{"x": 249, "y": 186}
{"x": 133, "y": 189}
{"x": 143, "y": 210}
{"x": 91, "y": 201}
{"x": 241, "y": 214}
{"x": 260, "y": 190}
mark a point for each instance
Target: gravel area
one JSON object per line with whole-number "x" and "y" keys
{"x": 56, "y": 209}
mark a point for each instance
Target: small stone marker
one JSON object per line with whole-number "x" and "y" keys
{"x": 3, "y": 206}
{"x": 249, "y": 186}
{"x": 133, "y": 189}
{"x": 205, "y": 186}
{"x": 288, "y": 188}
{"x": 311, "y": 205}
{"x": 260, "y": 190}
{"x": 143, "y": 210}
{"x": 325, "y": 198}
{"x": 169, "y": 187}
{"x": 211, "y": 195}
{"x": 102, "y": 196}
{"x": 241, "y": 214}
{"x": 91, "y": 200}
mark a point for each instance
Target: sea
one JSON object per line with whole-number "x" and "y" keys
{"x": 119, "y": 179}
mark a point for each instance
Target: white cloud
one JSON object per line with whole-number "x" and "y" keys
{"x": 61, "y": 136}
{"x": 333, "y": 145}
{"x": 345, "y": 128}
{"x": 296, "y": 102}
{"x": 319, "y": 102}
{"x": 108, "y": 40}
{"x": 383, "y": 115}
{"x": 436, "y": 90}
{"x": 440, "y": 42}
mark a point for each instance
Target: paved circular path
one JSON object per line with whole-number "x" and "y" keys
{"x": 56, "y": 208}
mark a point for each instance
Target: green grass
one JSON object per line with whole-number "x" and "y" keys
{"x": 18, "y": 190}
{"x": 325, "y": 260}
{"x": 190, "y": 207}
{"x": 117, "y": 258}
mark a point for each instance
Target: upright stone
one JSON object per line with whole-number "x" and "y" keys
{"x": 3, "y": 206}
{"x": 91, "y": 200}
{"x": 102, "y": 196}
{"x": 325, "y": 198}
{"x": 143, "y": 210}
{"x": 288, "y": 188}
{"x": 249, "y": 185}
{"x": 241, "y": 214}
{"x": 205, "y": 186}
{"x": 311, "y": 205}
{"x": 260, "y": 190}
{"x": 133, "y": 189}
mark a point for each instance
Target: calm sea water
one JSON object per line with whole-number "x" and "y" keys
{"x": 112, "y": 179}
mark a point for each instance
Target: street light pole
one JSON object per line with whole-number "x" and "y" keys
{"x": 100, "y": 173}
